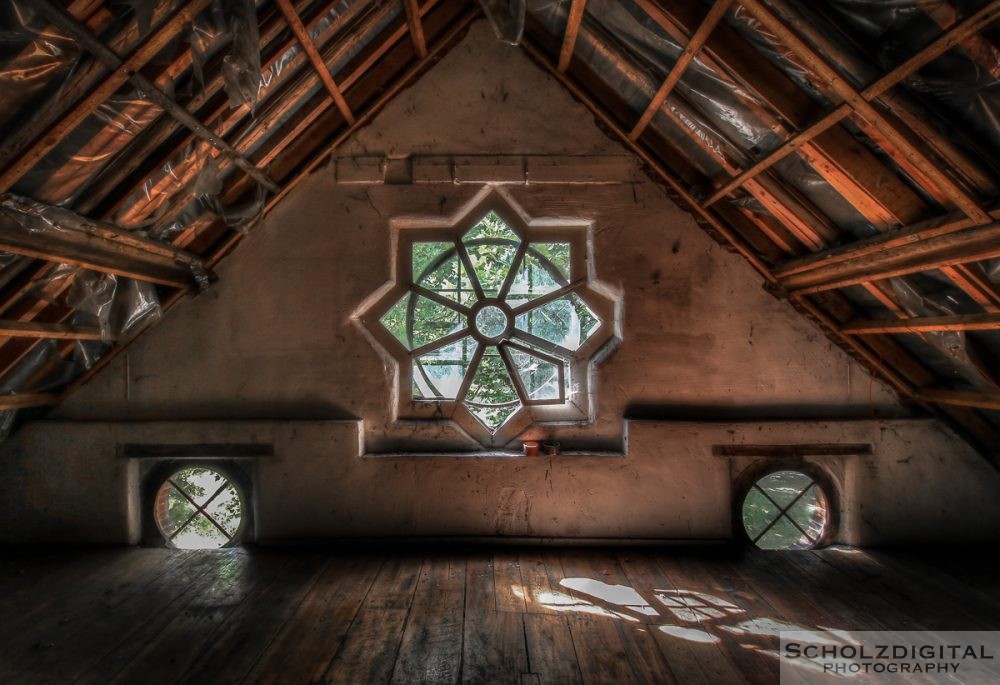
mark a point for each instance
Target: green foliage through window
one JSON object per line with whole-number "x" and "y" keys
{"x": 494, "y": 320}
{"x": 785, "y": 510}
{"x": 198, "y": 508}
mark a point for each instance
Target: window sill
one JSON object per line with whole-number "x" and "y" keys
{"x": 491, "y": 454}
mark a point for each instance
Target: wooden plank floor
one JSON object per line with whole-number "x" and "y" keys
{"x": 476, "y": 615}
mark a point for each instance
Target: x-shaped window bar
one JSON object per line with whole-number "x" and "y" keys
{"x": 783, "y": 512}
{"x": 200, "y": 509}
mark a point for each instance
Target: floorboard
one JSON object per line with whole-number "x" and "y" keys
{"x": 528, "y": 616}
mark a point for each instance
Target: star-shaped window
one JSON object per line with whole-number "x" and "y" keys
{"x": 495, "y": 318}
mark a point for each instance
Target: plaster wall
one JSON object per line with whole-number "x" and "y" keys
{"x": 669, "y": 486}
{"x": 274, "y": 344}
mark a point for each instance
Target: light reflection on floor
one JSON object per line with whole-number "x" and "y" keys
{"x": 688, "y": 615}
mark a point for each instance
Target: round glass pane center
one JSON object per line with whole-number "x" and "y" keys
{"x": 491, "y": 322}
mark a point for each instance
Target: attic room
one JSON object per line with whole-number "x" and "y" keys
{"x": 509, "y": 341}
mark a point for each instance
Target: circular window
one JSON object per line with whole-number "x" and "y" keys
{"x": 199, "y": 508}
{"x": 785, "y": 510}
{"x": 491, "y": 321}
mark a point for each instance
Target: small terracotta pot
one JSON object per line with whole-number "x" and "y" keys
{"x": 531, "y": 448}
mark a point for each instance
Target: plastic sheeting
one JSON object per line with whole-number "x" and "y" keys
{"x": 962, "y": 85}
{"x": 710, "y": 117}
{"x": 921, "y": 297}
{"x": 62, "y": 175}
{"x": 506, "y": 17}
{"x": 241, "y": 66}
{"x": 36, "y": 60}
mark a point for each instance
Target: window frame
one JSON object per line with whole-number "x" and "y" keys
{"x": 238, "y": 474}
{"x": 752, "y": 475}
{"x": 577, "y": 409}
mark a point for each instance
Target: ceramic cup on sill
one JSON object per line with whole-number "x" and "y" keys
{"x": 550, "y": 447}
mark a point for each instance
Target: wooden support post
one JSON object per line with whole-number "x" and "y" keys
{"x": 691, "y": 51}
{"x": 68, "y": 23}
{"x": 48, "y": 331}
{"x": 299, "y": 29}
{"x": 573, "y": 23}
{"x": 416, "y": 26}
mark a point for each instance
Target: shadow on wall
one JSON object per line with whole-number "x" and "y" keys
{"x": 760, "y": 412}
{"x": 239, "y": 410}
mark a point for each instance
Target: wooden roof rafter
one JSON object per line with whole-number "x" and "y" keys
{"x": 885, "y": 359}
{"x": 352, "y": 66}
{"x": 299, "y": 29}
{"x": 438, "y": 45}
{"x": 67, "y": 22}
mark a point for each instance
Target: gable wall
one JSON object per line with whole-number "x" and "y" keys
{"x": 275, "y": 339}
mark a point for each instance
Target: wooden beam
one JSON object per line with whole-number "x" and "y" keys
{"x": 962, "y": 398}
{"x": 573, "y": 23}
{"x": 59, "y": 130}
{"x": 68, "y": 23}
{"x": 416, "y": 26}
{"x": 96, "y": 249}
{"x": 921, "y": 231}
{"x": 893, "y": 363}
{"x": 435, "y": 52}
{"x": 299, "y": 29}
{"x": 691, "y": 50}
{"x": 25, "y": 401}
{"x": 48, "y": 331}
{"x": 925, "y": 324}
{"x": 793, "y": 451}
{"x": 815, "y": 63}
{"x": 969, "y": 245}
{"x": 949, "y": 39}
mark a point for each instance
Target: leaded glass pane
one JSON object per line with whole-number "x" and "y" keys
{"x": 439, "y": 374}
{"x": 566, "y": 322}
{"x": 492, "y": 398}
{"x": 539, "y": 377}
{"x": 535, "y": 277}
{"x": 438, "y": 268}
{"x": 492, "y": 248}
{"x": 417, "y": 321}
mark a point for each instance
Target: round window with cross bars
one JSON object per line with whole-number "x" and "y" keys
{"x": 785, "y": 510}
{"x": 199, "y": 508}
